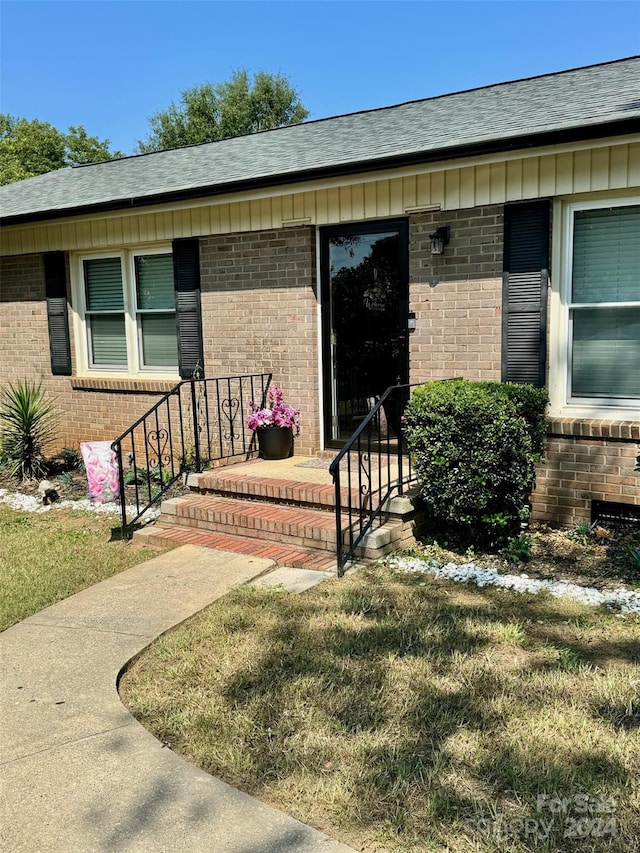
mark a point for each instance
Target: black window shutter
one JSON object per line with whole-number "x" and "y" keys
{"x": 186, "y": 274}
{"x": 55, "y": 278}
{"x": 524, "y": 292}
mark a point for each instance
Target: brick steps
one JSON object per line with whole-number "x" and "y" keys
{"x": 309, "y": 494}
{"x": 163, "y": 536}
{"x": 310, "y": 528}
{"x": 287, "y": 520}
{"x": 295, "y": 525}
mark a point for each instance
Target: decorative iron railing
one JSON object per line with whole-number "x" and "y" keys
{"x": 198, "y": 422}
{"x": 369, "y": 470}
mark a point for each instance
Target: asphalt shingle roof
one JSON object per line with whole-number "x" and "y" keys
{"x": 504, "y": 115}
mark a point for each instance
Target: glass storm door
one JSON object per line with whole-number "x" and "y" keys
{"x": 364, "y": 319}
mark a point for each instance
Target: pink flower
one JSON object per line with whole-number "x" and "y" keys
{"x": 275, "y": 413}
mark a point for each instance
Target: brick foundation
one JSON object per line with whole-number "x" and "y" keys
{"x": 581, "y": 468}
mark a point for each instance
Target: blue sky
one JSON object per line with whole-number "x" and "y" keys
{"x": 110, "y": 64}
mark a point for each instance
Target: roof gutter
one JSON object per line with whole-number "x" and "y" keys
{"x": 577, "y": 134}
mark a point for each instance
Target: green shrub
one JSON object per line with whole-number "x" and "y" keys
{"x": 71, "y": 458}
{"x": 475, "y": 445}
{"x": 142, "y": 476}
{"x": 28, "y": 424}
{"x": 66, "y": 460}
{"x": 519, "y": 550}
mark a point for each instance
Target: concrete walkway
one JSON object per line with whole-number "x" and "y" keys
{"x": 77, "y": 772}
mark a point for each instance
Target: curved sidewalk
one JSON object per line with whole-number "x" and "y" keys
{"x": 77, "y": 772}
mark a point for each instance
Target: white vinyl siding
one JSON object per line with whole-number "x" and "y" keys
{"x": 607, "y": 166}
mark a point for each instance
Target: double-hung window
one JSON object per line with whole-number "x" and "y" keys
{"x": 155, "y": 311}
{"x": 601, "y": 305}
{"x": 129, "y": 312}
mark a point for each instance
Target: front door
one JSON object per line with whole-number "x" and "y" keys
{"x": 365, "y": 303}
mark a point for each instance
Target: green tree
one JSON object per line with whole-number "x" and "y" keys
{"x": 235, "y": 107}
{"x": 29, "y": 148}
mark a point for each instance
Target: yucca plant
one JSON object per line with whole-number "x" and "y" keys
{"x": 28, "y": 424}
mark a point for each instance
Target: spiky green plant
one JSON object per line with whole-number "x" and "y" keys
{"x": 28, "y": 423}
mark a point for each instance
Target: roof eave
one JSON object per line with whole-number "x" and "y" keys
{"x": 577, "y": 134}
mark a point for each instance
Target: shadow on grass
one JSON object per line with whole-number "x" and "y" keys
{"x": 414, "y": 709}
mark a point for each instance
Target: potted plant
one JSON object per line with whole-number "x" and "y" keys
{"x": 274, "y": 425}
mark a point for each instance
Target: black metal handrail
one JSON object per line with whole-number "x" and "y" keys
{"x": 197, "y": 422}
{"x": 371, "y": 467}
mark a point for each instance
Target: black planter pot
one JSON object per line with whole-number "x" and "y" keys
{"x": 275, "y": 442}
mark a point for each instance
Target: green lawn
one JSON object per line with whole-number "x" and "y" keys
{"x": 402, "y": 713}
{"x": 45, "y": 558}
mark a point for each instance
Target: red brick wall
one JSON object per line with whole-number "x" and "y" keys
{"x": 259, "y": 314}
{"x": 456, "y": 296}
{"x": 457, "y": 299}
{"x": 580, "y": 468}
{"x": 85, "y": 414}
{"x": 259, "y": 299}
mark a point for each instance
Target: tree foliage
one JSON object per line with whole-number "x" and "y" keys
{"x": 29, "y": 148}
{"x": 235, "y": 107}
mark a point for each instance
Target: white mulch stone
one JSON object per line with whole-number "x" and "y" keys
{"x": 31, "y": 503}
{"x": 624, "y": 600}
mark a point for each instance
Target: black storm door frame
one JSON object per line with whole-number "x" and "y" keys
{"x": 364, "y": 277}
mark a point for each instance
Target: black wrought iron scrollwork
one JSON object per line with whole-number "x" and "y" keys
{"x": 382, "y": 470}
{"x": 157, "y": 442}
{"x": 365, "y": 470}
{"x": 230, "y": 408}
{"x": 198, "y": 422}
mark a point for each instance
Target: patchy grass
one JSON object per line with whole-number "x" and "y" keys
{"x": 402, "y": 713}
{"x": 45, "y": 558}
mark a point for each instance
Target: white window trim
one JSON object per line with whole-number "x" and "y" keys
{"x": 78, "y": 311}
{"x": 559, "y": 337}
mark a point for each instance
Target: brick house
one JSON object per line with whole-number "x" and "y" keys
{"x": 489, "y": 234}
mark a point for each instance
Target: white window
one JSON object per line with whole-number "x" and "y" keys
{"x": 598, "y": 310}
{"x": 126, "y": 303}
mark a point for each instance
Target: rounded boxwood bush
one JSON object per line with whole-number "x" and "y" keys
{"x": 474, "y": 446}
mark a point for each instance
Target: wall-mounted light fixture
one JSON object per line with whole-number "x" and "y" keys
{"x": 439, "y": 239}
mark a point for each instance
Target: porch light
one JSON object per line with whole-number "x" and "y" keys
{"x": 439, "y": 239}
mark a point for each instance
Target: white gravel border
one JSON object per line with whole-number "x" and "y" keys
{"x": 31, "y": 503}
{"x": 624, "y": 600}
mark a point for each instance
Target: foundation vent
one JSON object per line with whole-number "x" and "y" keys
{"x": 619, "y": 516}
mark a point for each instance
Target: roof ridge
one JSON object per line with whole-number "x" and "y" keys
{"x": 365, "y": 111}
{"x": 595, "y": 101}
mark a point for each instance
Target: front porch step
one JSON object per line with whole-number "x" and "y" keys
{"x": 296, "y": 526}
{"x": 171, "y": 536}
{"x": 280, "y": 511}
{"x": 282, "y": 491}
